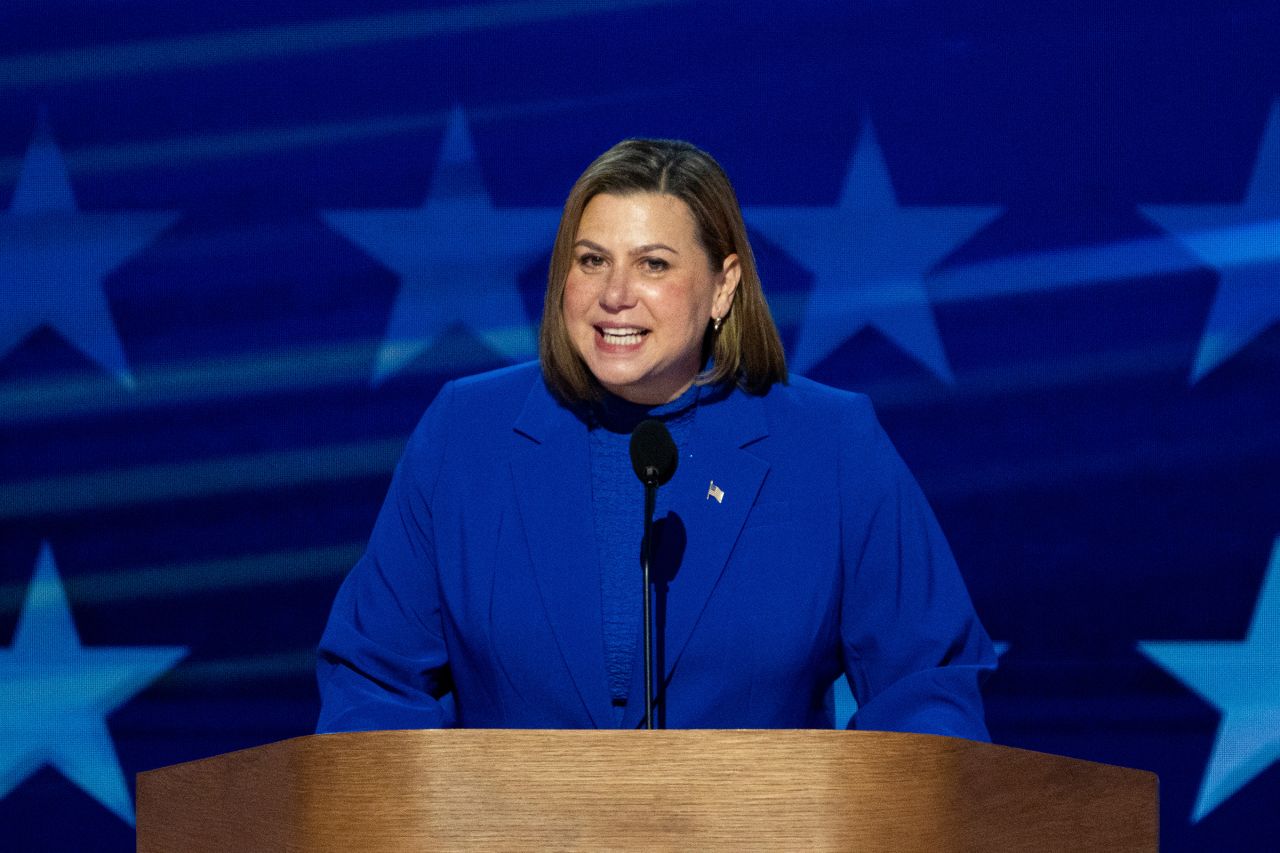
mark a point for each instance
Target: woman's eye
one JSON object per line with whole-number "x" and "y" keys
{"x": 655, "y": 264}
{"x": 590, "y": 261}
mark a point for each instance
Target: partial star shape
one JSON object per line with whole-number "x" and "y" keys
{"x": 55, "y": 695}
{"x": 1242, "y": 680}
{"x": 1242, "y": 242}
{"x": 53, "y": 259}
{"x": 458, "y": 258}
{"x": 869, "y": 257}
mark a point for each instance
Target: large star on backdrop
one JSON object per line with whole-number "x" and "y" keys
{"x": 55, "y": 695}
{"x": 53, "y": 259}
{"x": 1242, "y": 242}
{"x": 459, "y": 259}
{"x": 869, "y": 257}
{"x": 1242, "y": 680}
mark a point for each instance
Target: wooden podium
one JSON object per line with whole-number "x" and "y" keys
{"x": 638, "y": 790}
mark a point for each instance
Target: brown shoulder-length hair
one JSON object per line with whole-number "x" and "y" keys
{"x": 747, "y": 350}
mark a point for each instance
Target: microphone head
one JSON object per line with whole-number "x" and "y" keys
{"x": 653, "y": 453}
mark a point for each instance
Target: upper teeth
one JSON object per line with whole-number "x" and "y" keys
{"x": 621, "y": 333}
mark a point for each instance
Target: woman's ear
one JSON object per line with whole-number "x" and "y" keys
{"x": 730, "y": 275}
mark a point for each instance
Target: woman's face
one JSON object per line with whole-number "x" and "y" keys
{"x": 640, "y": 294}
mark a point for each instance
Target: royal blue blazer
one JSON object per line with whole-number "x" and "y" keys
{"x": 478, "y": 601}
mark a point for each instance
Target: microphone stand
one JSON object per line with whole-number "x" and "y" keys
{"x": 650, "y": 498}
{"x": 653, "y": 457}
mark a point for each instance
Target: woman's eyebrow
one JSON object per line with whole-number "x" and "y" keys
{"x": 638, "y": 250}
{"x": 650, "y": 247}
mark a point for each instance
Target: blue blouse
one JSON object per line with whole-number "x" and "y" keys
{"x": 618, "y": 503}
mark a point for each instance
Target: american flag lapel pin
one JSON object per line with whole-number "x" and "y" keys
{"x": 715, "y": 492}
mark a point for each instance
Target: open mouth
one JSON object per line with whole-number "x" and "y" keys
{"x": 622, "y": 337}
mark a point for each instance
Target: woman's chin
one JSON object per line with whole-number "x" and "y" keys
{"x": 647, "y": 392}
{"x": 631, "y": 390}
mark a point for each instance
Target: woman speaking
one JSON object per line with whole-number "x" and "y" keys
{"x": 502, "y": 586}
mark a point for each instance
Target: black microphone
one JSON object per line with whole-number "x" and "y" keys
{"x": 654, "y": 457}
{"x": 653, "y": 453}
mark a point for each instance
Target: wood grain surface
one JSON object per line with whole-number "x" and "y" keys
{"x": 665, "y": 790}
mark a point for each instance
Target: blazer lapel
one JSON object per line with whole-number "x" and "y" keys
{"x": 717, "y": 460}
{"x": 551, "y": 470}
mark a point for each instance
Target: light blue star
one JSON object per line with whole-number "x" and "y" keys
{"x": 53, "y": 259}
{"x": 869, "y": 258}
{"x": 55, "y": 695}
{"x": 1242, "y": 242}
{"x": 458, "y": 257}
{"x": 1242, "y": 680}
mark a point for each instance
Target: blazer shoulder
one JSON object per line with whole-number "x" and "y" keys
{"x": 804, "y": 400}
{"x": 489, "y": 401}
{"x": 506, "y": 384}
{"x": 474, "y": 410}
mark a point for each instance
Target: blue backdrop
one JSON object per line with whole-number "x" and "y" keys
{"x": 242, "y": 245}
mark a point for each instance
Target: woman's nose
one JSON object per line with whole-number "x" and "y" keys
{"x": 617, "y": 292}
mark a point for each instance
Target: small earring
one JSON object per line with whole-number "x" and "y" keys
{"x": 716, "y": 323}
